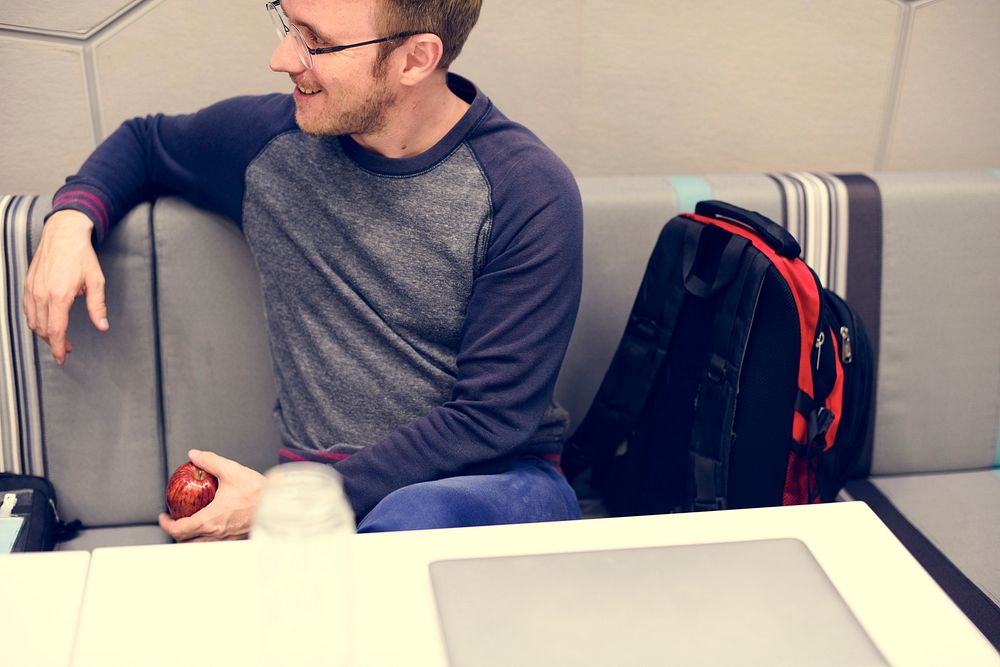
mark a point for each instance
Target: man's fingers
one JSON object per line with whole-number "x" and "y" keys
{"x": 28, "y": 302}
{"x": 180, "y": 529}
{"x": 202, "y": 526}
{"x": 28, "y": 297}
{"x": 42, "y": 320}
{"x": 96, "y": 306}
{"x": 58, "y": 322}
{"x": 57, "y": 343}
{"x": 208, "y": 461}
{"x": 206, "y": 538}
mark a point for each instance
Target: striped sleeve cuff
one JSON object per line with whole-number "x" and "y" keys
{"x": 87, "y": 201}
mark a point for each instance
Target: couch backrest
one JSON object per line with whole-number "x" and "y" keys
{"x": 186, "y": 361}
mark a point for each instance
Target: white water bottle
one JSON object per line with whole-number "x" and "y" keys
{"x": 302, "y": 532}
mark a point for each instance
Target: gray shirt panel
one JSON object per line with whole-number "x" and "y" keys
{"x": 365, "y": 280}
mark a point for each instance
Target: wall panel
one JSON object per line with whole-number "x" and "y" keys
{"x": 72, "y": 19}
{"x": 177, "y": 56}
{"x": 45, "y": 126}
{"x": 525, "y": 55}
{"x": 712, "y": 85}
{"x": 949, "y": 89}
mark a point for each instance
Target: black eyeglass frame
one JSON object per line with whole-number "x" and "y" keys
{"x": 274, "y": 4}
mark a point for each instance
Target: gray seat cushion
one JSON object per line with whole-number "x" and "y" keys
{"x": 122, "y": 536}
{"x": 957, "y": 512}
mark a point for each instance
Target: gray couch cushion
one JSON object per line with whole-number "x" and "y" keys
{"x": 218, "y": 388}
{"x": 122, "y": 536}
{"x": 622, "y": 218}
{"x": 957, "y": 512}
{"x": 100, "y": 410}
{"x": 939, "y": 370}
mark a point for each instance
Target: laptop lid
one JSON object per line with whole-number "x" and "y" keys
{"x": 762, "y": 602}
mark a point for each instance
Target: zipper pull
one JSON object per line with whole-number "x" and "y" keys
{"x": 9, "y": 500}
{"x": 845, "y": 348}
{"x": 819, "y": 346}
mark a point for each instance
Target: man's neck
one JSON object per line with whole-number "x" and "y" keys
{"x": 419, "y": 119}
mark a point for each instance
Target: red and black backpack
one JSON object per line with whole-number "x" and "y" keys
{"x": 739, "y": 382}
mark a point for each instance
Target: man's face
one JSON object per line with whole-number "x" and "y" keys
{"x": 342, "y": 93}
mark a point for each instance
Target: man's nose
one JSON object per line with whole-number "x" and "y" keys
{"x": 285, "y": 57}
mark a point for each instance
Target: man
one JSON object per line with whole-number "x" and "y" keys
{"x": 420, "y": 262}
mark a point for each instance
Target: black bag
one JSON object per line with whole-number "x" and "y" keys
{"x": 739, "y": 381}
{"x": 35, "y": 500}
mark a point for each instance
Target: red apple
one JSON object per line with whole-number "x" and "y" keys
{"x": 190, "y": 488}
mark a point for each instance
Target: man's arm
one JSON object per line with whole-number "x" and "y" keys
{"x": 201, "y": 157}
{"x": 518, "y": 323}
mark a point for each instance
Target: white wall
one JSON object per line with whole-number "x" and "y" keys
{"x": 615, "y": 87}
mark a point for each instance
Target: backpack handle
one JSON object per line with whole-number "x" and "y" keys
{"x": 727, "y": 262}
{"x": 773, "y": 234}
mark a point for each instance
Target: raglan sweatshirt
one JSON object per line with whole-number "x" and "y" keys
{"x": 418, "y": 309}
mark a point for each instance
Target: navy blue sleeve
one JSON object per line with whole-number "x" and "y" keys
{"x": 517, "y": 327}
{"x": 201, "y": 157}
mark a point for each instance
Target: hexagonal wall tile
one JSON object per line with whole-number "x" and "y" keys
{"x": 177, "y": 56}
{"x": 949, "y": 89}
{"x": 46, "y": 131}
{"x": 736, "y": 87}
{"x": 78, "y": 20}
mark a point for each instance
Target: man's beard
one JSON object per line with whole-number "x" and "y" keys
{"x": 367, "y": 117}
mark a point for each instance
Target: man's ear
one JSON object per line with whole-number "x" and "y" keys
{"x": 422, "y": 54}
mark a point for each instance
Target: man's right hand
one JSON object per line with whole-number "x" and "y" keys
{"x": 64, "y": 267}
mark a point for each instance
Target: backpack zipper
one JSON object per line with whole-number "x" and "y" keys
{"x": 820, "y": 339}
{"x": 846, "y": 354}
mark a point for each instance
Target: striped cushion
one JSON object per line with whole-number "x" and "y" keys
{"x": 932, "y": 503}
{"x": 816, "y": 213}
{"x": 21, "y": 449}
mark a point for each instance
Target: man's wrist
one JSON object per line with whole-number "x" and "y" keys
{"x": 71, "y": 219}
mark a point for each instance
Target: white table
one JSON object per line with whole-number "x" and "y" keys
{"x": 144, "y": 605}
{"x": 40, "y": 597}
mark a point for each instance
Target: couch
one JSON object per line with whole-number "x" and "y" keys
{"x": 186, "y": 361}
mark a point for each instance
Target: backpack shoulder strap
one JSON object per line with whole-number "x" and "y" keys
{"x": 711, "y": 436}
{"x": 622, "y": 394}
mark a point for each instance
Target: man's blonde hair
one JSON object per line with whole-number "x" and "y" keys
{"x": 451, "y": 20}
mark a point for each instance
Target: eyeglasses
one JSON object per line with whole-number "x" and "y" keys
{"x": 304, "y": 51}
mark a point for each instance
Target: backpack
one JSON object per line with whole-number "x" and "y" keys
{"x": 739, "y": 382}
{"x": 33, "y": 499}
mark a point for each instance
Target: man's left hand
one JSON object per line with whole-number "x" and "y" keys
{"x": 228, "y": 516}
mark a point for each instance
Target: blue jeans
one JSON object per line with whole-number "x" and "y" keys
{"x": 531, "y": 490}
